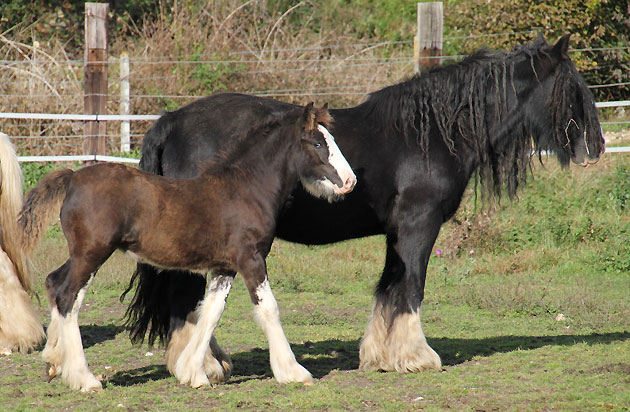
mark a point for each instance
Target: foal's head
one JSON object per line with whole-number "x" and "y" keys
{"x": 322, "y": 168}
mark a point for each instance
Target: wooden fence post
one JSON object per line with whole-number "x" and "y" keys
{"x": 428, "y": 43}
{"x": 95, "y": 76}
{"x": 125, "y": 127}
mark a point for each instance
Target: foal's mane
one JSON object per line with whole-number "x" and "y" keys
{"x": 455, "y": 97}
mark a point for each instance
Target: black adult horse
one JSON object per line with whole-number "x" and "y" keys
{"x": 414, "y": 147}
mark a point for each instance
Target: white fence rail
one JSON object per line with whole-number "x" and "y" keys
{"x": 152, "y": 117}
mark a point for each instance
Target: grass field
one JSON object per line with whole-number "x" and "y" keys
{"x": 493, "y": 299}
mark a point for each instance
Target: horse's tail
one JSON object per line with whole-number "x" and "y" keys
{"x": 20, "y": 326}
{"x": 10, "y": 205}
{"x": 153, "y": 144}
{"x": 149, "y": 309}
{"x": 41, "y": 205}
{"x": 146, "y": 311}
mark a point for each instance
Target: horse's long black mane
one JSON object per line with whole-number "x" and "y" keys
{"x": 456, "y": 98}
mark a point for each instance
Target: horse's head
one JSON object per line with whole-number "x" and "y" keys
{"x": 323, "y": 170}
{"x": 562, "y": 110}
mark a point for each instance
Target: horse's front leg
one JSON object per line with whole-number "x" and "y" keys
{"x": 191, "y": 366}
{"x": 283, "y": 364}
{"x": 394, "y": 340}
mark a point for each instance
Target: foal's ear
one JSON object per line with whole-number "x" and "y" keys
{"x": 540, "y": 41}
{"x": 308, "y": 116}
{"x": 322, "y": 116}
{"x": 561, "y": 48}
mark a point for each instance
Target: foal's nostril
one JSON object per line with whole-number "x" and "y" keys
{"x": 350, "y": 182}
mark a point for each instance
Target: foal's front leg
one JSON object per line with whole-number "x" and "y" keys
{"x": 190, "y": 367}
{"x": 283, "y": 364}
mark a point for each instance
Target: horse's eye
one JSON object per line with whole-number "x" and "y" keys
{"x": 317, "y": 145}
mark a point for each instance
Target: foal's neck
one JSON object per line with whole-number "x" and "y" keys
{"x": 263, "y": 166}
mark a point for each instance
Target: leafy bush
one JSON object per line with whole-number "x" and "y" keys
{"x": 603, "y": 24}
{"x": 33, "y": 172}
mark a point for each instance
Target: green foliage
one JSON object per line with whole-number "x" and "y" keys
{"x": 208, "y": 78}
{"x": 592, "y": 24}
{"x": 64, "y": 18}
{"x": 385, "y": 20}
{"x": 620, "y": 193}
{"x": 33, "y": 172}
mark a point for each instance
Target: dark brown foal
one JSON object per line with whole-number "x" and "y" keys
{"x": 223, "y": 221}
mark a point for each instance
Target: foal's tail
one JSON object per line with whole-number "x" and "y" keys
{"x": 153, "y": 144}
{"x": 10, "y": 204}
{"x": 41, "y": 206}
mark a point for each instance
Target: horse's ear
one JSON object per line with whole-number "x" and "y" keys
{"x": 323, "y": 116}
{"x": 561, "y": 48}
{"x": 308, "y": 116}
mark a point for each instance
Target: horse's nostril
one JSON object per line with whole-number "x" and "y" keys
{"x": 350, "y": 182}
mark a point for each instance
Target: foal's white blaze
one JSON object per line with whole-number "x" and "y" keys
{"x": 283, "y": 364}
{"x": 339, "y": 162}
{"x": 189, "y": 368}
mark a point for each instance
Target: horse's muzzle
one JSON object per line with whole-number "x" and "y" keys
{"x": 348, "y": 186}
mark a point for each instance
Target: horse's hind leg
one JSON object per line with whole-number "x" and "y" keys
{"x": 64, "y": 349}
{"x": 183, "y": 320}
{"x": 194, "y": 367}
{"x": 216, "y": 364}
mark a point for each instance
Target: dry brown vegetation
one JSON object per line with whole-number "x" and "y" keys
{"x": 187, "y": 53}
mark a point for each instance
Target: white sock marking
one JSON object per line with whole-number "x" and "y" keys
{"x": 283, "y": 364}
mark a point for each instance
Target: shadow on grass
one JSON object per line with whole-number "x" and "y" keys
{"x": 454, "y": 351}
{"x": 94, "y": 334}
{"x": 139, "y": 376}
{"x": 320, "y": 358}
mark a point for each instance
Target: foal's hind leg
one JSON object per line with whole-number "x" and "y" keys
{"x": 64, "y": 350}
{"x": 194, "y": 367}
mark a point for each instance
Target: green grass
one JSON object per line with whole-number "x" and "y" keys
{"x": 492, "y": 299}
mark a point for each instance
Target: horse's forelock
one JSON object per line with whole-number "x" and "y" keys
{"x": 323, "y": 117}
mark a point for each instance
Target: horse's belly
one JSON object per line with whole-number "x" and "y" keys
{"x": 305, "y": 219}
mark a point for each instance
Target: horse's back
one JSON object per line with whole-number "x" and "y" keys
{"x": 198, "y": 130}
